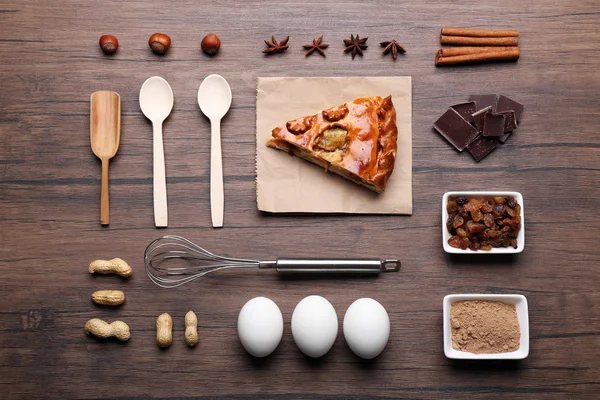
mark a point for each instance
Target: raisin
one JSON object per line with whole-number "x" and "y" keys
{"x": 505, "y": 229}
{"x": 462, "y": 232}
{"x": 476, "y": 215}
{"x": 454, "y": 241}
{"x": 458, "y": 221}
{"x": 474, "y": 227}
{"x": 451, "y": 206}
{"x": 492, "y": 234}
{"x": 518, "y": 209}
{"x": 473, "y": 205}
{"x": 513, "y": 243}
{"x": 488, "y": 220}
{"x": 462, "y": 212}
{"x": 510, "y": 211}
{"x": 506, "y": 222}
{"x": 474, "y": 246}
{"x": 510, "y": 201}
{"x": 485, "y": 247}
{"x": 499, "y": 210}
{"x": 449, "y": 223}
{"x": 499, "y": 200}
{"x": 464, "y": 243}
{"x": 461, "y": 200}
{"x": 487, "y": 207}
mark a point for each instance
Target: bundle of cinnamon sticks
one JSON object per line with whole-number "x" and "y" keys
{"x": 477, "y": 45}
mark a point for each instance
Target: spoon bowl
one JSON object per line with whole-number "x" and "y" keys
{"x": 156, "y": 99}
{"x": 214, "y": 97}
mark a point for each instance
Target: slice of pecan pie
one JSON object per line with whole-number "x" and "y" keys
{"x": 356, "y": 140}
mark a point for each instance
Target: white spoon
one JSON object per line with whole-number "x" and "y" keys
{"x": 214, "y": 99}
{"x": 156, "y": 102}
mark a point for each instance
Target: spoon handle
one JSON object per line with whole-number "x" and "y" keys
{"x": 104, "y": 205}
{"x": 160, "y": 182}
{"x": 217, "y": 200}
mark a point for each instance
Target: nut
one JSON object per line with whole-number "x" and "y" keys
{"x": 211, "y": 44}
{"x": 301, "y": 125}
{"x": 335, "y": 113}
{"x": 115, "y": 266}
{"x": 164, "y": 330}
{"x": 109, "y": 44}
{"x": 108, "y": 297}
{"x": 191, "y": 329}
{"x": 103, "y": 329}
{"x": 159, "y": 43}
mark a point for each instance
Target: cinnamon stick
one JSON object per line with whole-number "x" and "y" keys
{"x": 479, "y": 32}
{"x": 462, "y": 50}
{"x": 507, "y": 55}
{"x": 480, "y": 41}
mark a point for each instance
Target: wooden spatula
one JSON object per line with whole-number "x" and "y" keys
{"x": 105, "y": 133}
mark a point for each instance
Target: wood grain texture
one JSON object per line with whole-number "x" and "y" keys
{"x": 50, "y": 63}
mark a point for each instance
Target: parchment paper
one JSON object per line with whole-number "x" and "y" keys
{"x": 291, "y": 184}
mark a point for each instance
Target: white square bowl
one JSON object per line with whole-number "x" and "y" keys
{"x": 496, "y": 250}
{"x": 520, "y": 303}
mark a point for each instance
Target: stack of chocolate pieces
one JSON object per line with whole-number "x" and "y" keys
{"x": 481, "y": 124}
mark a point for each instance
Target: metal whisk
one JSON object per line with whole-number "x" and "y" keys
{"x": 190, "y": 261}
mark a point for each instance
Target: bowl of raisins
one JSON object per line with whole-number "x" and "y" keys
{"x": 483, "y": 222}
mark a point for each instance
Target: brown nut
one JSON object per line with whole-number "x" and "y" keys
{"x": 211, "y": 44}
{"x": 108, "y": 297}
{"x": 164, "y": 330}
{"x": 103, "y": 329}
{"x": 335, "y": 113}
{"x": 159, "y": 43}
{"x": 108, "y": 43}
{"x": 115, "y": 266}
{"x": 300, "y": 125}
{"x": 191, "y": 329}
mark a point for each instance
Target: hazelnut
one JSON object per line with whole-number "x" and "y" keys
{"x": 210, "y": 44}
{"x": 159, "y": 43}
{"x": 108, "y": 44}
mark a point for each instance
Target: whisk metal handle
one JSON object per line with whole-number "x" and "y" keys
{"x": 342, "y": 266}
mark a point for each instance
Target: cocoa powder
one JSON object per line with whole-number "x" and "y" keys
{"x": 480, "y": 326}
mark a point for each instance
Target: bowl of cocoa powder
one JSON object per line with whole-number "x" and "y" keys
{"x": 486, "y": 326}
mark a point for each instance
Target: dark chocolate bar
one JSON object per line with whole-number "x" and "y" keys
{"x": 485, "y": 100}
{"x": 481, "y": 147}
{"x": 478, "y": 117}
{"x": 510, "y": 123}
{"x": 455, "y": 129}
{"x": 465, "y": 110}
{"x": 493, "y": 125}
{"x": 506, "y": 104}
{"x": 502, "y": 139}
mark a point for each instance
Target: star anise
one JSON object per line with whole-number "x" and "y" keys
{"x": 394, "y": 47}
{"x": 275, "y": 47}
{"x": 356, "y": 45}
{"x": 316, "y": 45}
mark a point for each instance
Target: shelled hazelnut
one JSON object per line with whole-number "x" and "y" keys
{"x": 159, "y": 43}
{"x": 109, "y": 44}
{"x": 211, "y": 44}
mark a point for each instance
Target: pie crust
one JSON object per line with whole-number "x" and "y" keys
{"x": 356, "y": 140}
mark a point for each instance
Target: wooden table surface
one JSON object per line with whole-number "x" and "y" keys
{"x": 50, "y": 63}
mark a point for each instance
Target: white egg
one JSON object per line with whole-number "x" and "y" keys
{"x": 260, "y": 326}
{"x": 366, "y": 328}
{"x": 314, "y": 326}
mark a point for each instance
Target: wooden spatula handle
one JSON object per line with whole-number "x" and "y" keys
{"x": 104, "y": 206}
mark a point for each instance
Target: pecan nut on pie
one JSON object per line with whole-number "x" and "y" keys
{"x": 356, "y": 140}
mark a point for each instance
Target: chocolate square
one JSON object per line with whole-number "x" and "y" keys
{"x": 506, "y": 104}
{"x": 493, "y": 125}
{"x": 478, "y": 118}
{"x": 455, "y": 129}
{"x": 510, "y": 123}
{"x": 504, "y": 137}
{"x": 485, "y": 100}
{"x": 481, "y": 147}
{"x": 465, "y": 110}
